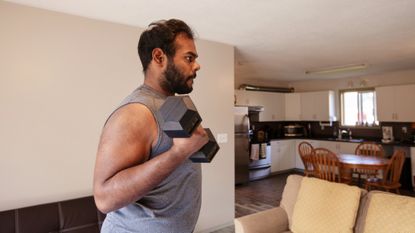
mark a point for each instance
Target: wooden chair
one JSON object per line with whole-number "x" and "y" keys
{"x": 326, "y": 165}
{"x": 390, "y": 180}
{"x": 368, "y": 149}
{"x": 305, "y": 149}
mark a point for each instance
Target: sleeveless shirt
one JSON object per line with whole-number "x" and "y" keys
{"x": 174, "y": 205}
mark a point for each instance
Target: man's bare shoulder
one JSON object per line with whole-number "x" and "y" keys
{"x": 132, "y": 121}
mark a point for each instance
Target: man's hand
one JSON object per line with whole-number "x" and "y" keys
{"x": 185, "y": 147}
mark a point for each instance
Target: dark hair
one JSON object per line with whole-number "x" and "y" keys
{"x": 161, "y": 34}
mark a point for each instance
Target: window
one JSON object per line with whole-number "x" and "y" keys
{"x": 358, "y": 107}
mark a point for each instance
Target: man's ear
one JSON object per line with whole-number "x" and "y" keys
{"x": 158, "y": 56}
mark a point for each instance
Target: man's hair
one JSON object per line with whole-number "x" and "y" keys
{"x": 161, "y": 34}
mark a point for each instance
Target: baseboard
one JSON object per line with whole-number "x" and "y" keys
{"x": 209, "y": 230}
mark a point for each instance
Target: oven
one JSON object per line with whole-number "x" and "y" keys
{"x": 260, "y": 161}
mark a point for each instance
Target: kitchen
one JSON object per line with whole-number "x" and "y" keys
{"x": 314, "y": 116}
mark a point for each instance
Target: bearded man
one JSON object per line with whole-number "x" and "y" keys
{"x": 144, "y": 180}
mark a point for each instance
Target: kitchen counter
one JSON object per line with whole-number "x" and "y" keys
{"x": 353, "y": 140}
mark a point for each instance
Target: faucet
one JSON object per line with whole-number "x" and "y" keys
{"x": 339, "y": 135}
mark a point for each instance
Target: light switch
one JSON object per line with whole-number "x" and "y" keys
{"x": 222, "y": 138}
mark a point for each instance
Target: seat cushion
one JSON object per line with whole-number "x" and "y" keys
{"x": 324, "y": 206}
{"x": 388, "y": 212}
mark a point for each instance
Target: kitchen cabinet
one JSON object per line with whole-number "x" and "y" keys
{"x": 298, "y": 162}
{"x": 273, "y": 103}
{"x": 282, "y": 155}
{"x": 246, "y": 98}
{"x": 395, "y": 103}
{"x": 293, "y": 107}
{"x": 318, "y": 106}
{"x": 339, "y": 147}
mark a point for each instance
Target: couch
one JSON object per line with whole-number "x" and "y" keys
{"x": 311, "y": 205}
{"x": 78, "y": 215}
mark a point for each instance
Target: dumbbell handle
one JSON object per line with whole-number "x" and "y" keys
{"x": 208, "y": 151}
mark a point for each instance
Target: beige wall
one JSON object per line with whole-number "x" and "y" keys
{"x": 60, "y": 77}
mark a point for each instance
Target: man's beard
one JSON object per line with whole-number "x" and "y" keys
{"x": 176, "y": 82}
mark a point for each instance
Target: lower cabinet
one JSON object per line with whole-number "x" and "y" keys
{"x": 282, "y": 155}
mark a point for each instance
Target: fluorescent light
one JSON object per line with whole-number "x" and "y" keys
{"x": 337, "y": 69}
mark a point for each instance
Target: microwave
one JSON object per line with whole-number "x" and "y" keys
{"x": 294, "y": 131}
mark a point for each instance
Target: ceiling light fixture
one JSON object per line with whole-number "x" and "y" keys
{"x": 337, "y": 69}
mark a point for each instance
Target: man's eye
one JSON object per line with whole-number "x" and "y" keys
{"x": 189, "y": 58}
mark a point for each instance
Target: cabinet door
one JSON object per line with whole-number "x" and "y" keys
{"x": 404, "y": 98}
{"x": 298, "y": 162}
{"x": 288, "y": 155}
{"x": 307, "y": 106}
{"x": 348, "y": 147}
{"x": 275, "y": 156}
{"x": 318, "y": 106}
{"x": 241, "y": 98}
{"x": 283, "y": 155}
{"x": 293, "y": 107}
{"x": 385, "y": 103}
{"x": 331, "y": 146}
{"x": 322, "y": 111}
{"x": 274, "y": 106}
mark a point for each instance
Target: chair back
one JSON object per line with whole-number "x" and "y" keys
{"x": 394, "y": 169}
{"x": 305, "y": 149}
{"x": 370, "y": 149}
{"x": 326, "y": 164}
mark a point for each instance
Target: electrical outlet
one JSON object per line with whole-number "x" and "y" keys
{"x": 222, "y": 138}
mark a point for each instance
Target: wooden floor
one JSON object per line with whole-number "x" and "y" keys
{"x": 264, "y": 194}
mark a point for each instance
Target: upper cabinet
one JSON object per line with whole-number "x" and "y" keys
{"x": 395, "y": 103}
{"x": 273, "y": 103}
{"x": 318, "y": 106}
{"x": 293, "y": 106}
{"x": 306, "y": 106}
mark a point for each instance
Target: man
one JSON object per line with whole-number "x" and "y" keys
{"x": 143, "y": 179}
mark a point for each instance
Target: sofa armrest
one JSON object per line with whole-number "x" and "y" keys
{"x": 272, "y": 220}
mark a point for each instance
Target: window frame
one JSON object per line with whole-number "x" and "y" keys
{"x": 341, "y": 106}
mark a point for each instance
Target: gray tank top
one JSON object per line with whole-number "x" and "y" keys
{"x": 171, "y": 207}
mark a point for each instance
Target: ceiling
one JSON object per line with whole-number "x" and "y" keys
{"x": 278, "y": 40}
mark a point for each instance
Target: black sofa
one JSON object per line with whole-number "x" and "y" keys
{"x": 71, "y": 216}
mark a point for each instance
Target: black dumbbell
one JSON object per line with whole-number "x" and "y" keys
{"x": 181, "y": 119}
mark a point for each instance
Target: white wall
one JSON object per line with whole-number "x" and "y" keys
{"x": 385, "y": 79}
{"x": 60, "y": 77}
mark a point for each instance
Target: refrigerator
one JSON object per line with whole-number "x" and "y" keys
{"x": 242, "y": 136}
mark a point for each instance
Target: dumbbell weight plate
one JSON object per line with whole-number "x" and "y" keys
{"x": 180, "y": 116}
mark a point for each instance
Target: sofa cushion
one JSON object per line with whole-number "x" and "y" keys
{"x": 289, "y": 195}
{"x": 388, "y": 212}
{"x": 324, "y": 206}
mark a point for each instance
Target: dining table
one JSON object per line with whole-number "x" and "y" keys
{"x": 353, "y": 161}
{"x": 357, "y": 162}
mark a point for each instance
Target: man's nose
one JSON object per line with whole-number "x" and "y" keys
{"x": 196, "y": 66}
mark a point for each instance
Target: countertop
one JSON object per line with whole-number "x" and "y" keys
{"x": 353, "y": 140}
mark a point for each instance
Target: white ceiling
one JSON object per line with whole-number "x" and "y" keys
{"x": 278, "y": 39}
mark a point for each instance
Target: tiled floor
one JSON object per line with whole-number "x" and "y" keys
{"x": 264, "y": 194}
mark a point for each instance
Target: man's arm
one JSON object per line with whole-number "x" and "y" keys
{"x": 123, "y": 173}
